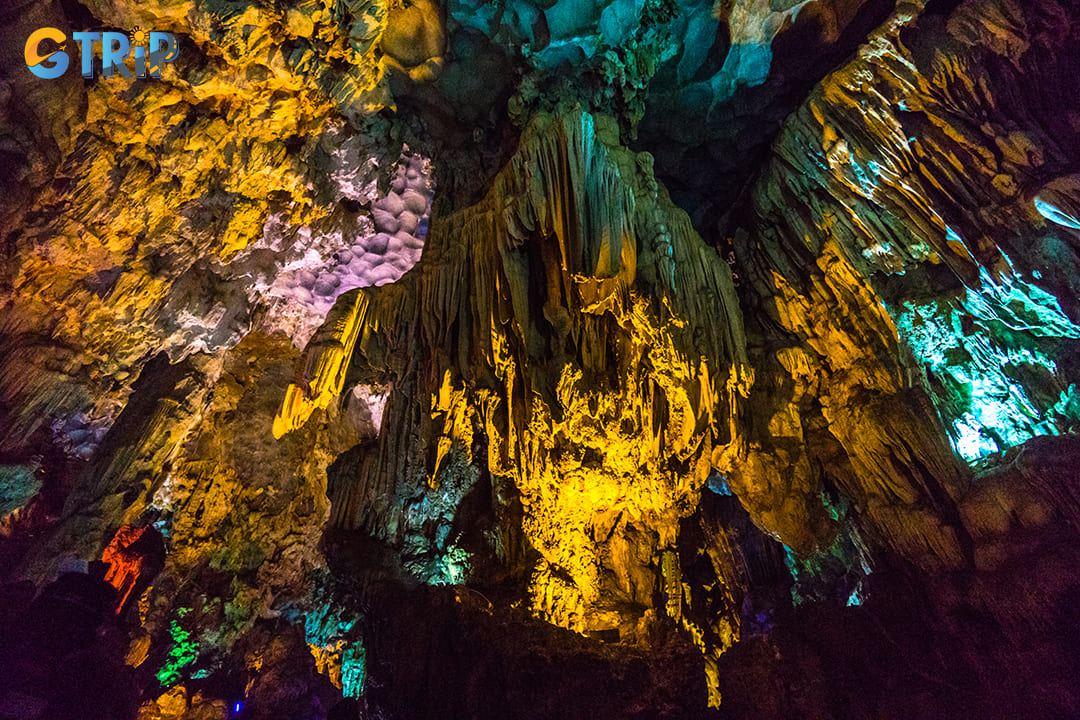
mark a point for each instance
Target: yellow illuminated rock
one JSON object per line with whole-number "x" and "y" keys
{"x": 607, "y": 447}
{"x": 321, "y": 374}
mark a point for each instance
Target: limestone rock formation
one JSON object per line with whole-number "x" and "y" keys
{"x": 599, "y": 408}
{"x": 543, "y": 358}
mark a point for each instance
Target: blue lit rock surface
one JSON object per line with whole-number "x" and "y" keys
{"x": 734, "y": 66}
{"x": 18, "y": 485}
{"x": 955, "y": 267}
{"x": 546, "y": 359}
{"x": 1059, "y": 201}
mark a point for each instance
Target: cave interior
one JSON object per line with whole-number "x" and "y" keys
{"x": 528, "y": 359}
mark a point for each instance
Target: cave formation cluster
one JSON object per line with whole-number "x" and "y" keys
{"x": 543, "y": 358}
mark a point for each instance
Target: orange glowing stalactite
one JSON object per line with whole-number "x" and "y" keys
{"x": 125, "y": 565}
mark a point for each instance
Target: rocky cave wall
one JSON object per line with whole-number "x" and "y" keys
{"x": 370, "y": 350}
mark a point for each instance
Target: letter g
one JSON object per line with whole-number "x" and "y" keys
{"x": 57, "y": 61}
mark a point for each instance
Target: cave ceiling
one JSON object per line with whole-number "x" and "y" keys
{"x": 542, "y": 358}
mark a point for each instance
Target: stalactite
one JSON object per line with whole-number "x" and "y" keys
{"x": 542, "y": 319}
{"x": 322, "y": 368}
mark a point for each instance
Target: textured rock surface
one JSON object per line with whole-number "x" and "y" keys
{"x": 536, "y": 359}
{"x": 169, "y": 218}
{"x": 990, "y": 339}
{"x": 604, "y": 450}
